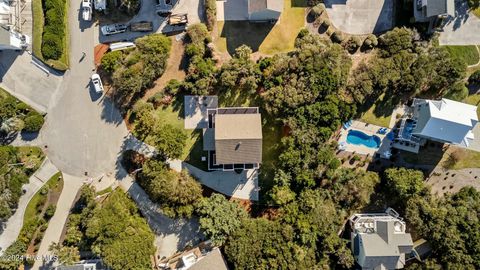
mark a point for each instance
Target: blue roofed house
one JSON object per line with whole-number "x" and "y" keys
{"x": 380, "y": 240}
{"x": 444, "y": 121}
{"x": 264, "y": 10}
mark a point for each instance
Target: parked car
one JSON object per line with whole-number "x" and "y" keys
{"x": 143, "y": 26}
{"x": 112, "y": 29}
{"x": 97, "y": 83}
{"x": 87, "y": 10}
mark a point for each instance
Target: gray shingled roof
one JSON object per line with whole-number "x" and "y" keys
{"x": 439, "y": 7}
{"x": 260, "y": 5}
{"x": 385, "y": 247}
{"x": 212, "y": 261}
{"x": 238, "y": 138}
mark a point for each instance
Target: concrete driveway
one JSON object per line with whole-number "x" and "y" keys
{"x": 26, "y": 81}
{"x": 360, "y": 17}
{"x": 194, "y": 9}
{"x": 232, "y": 10}
{"x": 464, "y": 29}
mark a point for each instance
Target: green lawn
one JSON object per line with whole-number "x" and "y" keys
{"x": 193, "y": 151}
{"x": 263, "y": 37}
{"x": 465, "y": 159}
{"x": 469, "y": 54}
{"x": 379, "y": 114}
{"x": 474, "y": 100}
{"x": 38, "y": 23}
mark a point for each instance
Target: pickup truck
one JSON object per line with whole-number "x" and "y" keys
{"x": 112, "y": 29}
{"x": 143, "y": 26}
{"x": 87, "y": 10}
{"x": 178, "y": 19}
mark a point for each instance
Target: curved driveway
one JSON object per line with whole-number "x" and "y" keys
{"x": 83, "y": 131}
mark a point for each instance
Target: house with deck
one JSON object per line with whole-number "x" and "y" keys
{"x": 380, "y": 240}
{"x": 434, "y": 11}
{"x": 233, "y": 138}
{"x": 11, "y": 39}
{"x": 444, "y": 121}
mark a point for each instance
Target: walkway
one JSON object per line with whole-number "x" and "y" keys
{"x": 71, "y": 186}
{"x": 171, "y": 234}
{"x": 237, "y": 185}
{"x": 12, "y": 227}
{"x": 464, "y": 29}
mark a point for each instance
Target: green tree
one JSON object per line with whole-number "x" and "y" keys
{"x": 111, "y": 61}
{"x": 168, "y": 140}
{"x": 404, "y": 183}
{"x": 219, "y": 218}
{"x": 395, "y": 41}
{"x": 33, "y": 122}
{"x": 66, "y": 255}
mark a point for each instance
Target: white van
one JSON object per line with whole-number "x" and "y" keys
{"x": 121, "y": 46}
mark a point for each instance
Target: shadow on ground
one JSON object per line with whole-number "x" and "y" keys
{"x": 239, "y": 33}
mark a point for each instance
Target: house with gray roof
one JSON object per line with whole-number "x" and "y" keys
{"x": 444, "y": 121}
{"x": 433, "y": 10}
{"x": 264, "y": 10}
{"x": 379, "y": 241}
{"x": 233, "y": 138}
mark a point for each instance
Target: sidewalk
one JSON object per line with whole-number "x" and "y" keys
{"x": 71, "y": 186}
{"x": 14, "y": 224}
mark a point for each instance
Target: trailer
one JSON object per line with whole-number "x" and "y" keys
{"x": 143, "y": 26}
{"x": 87, "y": 10}
{"x": 174, "y": 29}
{"x": 178, "y": 19}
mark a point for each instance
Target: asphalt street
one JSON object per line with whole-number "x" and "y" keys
{"x": 83, "y": 132}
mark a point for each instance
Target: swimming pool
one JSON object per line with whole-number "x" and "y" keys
{"x": 359, "y": 138}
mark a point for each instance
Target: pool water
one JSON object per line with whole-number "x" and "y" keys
{"x": 359, "y": 138}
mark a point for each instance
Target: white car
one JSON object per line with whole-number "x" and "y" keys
{"x": 97, "y": 83}
{"x": 87, "y": 10}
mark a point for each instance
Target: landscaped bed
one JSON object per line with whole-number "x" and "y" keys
{"x": 16, "y": 116}
{"x": 50, "y": 33}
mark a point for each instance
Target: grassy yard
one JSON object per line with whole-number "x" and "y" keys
{"x": 469, "y": 54}
{"x": 460, "y": 158}
{"x": 38, "y": 23}
{"x": 379, "y": 114}
{"x": 263, "y": 37}
{"x": 31, "y": 156}
{"x": 474, "y": 100}
{"x": 193, "y": 151}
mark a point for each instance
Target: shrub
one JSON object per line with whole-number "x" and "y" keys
{"x": 111, "y": 61}
{"x": 329, "y": 32}
{"x": 326, "y": 23}
{"x": 211, "y": 11}
{"x": 50, "y": 211}
{"x": 53, "y": 29}
{"x": 51, "y": 46}
{"x": 317, "y": 10}
{"x": 197, "y": 33}
{"x": 172, "y": 87}
{"x": 475, "y": 78}
{"x": 337, "y": 37}
{"x": 33, "y": 122}
{"x": 353, "y": 44}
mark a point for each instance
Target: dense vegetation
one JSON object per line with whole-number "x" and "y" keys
{"x": 112, "y": 229}
{"x": 16, "y": 116}
{"x": 54, "y": 29}
{"x": 175, "y": 192}
{"x": 135, "y": 70}
{"x": 211, "y": 11}
{"x": 16, "y": 166}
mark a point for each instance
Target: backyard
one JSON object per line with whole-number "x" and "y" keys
{"x": 262, "y": 37}
{"x": 469, "y": 54}
{"x": 379, "y": 113}
{"x": 474, "y": 100}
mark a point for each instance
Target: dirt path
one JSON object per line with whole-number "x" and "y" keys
{"x": 176, "y": 66}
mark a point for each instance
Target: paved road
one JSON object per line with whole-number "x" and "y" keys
{"x": 464, "y": 29}
{"x": 71, "y": 186}
{"x": 12, "y": 227}
{"x": 83, "y": 131}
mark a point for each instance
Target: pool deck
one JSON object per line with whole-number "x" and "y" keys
{"x": 370, "y": 130}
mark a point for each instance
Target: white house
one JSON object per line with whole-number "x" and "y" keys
{"x": 264, "y": 10}
{"x": 379, "y": 241}
{"x": 12, "y": 40}
{"x": 445, "y": 121}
